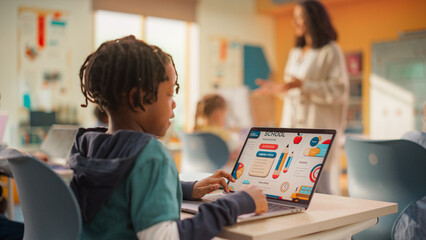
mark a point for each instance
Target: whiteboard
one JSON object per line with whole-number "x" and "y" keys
{"x": 398, "y": 87}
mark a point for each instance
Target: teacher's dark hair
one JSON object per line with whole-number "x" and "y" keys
{"x": 318, "y": 24}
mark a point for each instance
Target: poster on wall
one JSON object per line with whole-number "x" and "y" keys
{"x": 255, "y": 66}
{"x": 226, "y": 60}
{"x": 44, "y": 56}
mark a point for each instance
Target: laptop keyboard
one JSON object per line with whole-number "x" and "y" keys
{"x": 272, "y": 207}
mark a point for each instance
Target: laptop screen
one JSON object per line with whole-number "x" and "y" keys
{"x": 285, "y": 163}
{"x": 59, "y": 140}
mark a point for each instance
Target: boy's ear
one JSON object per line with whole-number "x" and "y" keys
{"x": 133, "y": 99}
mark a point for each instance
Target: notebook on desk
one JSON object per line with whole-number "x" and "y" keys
{"x": 58, "y": 143}
{"x": 285, "y": 163}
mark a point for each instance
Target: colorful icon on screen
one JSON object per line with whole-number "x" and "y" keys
{"x": 315, "y": 141}
{"x": 254, "y": 134}
{"x": 318, "y": 151}
{"x": 284, "y": 187}
{"x": 313, "y": 175}
{"x": 301, "y": 193}
{"x": 262, "y": 164}
{"x": 287, "y": 164}
{"x": 312, "y": 152}
{"x": 297, "y": 139}
{"x": 268, "y": 146}
{"x": 239, "y": 172}
{"x": 280, "y": 163}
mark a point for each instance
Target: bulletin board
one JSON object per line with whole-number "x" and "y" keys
{"x": 255, "y": 66}
{"x": 226, "y": 60}
{"x": 43, "y": 56}
{"x": 236, "y": 66}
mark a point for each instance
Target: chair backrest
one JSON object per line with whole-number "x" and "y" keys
{"x": 387, "y": 170}
{"x": 411, "y": 223}
{"x": 49, "y": 207}
{"x": 203, "y": 152}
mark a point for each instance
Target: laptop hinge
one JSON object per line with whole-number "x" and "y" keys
{"x": 293, "y": 204}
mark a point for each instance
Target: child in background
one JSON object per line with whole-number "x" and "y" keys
{"x": 211, "y": 115}
{"x": 125, "y": 181}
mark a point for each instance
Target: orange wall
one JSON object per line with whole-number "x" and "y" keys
{"x": 359, "y": 23}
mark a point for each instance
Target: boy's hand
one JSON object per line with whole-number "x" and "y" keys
{"x": 259, "y": 198}
{"x": 211, "y": 184}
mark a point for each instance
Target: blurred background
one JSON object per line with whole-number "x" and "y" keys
{"x": 219, "y": 46}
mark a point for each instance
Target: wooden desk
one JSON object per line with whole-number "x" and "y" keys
{"x": 64, "y": 172}
{"x": 326, "y": 215}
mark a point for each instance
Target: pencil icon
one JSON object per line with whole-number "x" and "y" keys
{"x": 287, "y": 164}
{"x": 280, "y": 163}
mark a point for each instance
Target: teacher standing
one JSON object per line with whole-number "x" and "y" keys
{"x": 316, "y": 85}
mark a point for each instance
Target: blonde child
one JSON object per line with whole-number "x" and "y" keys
{"x": 210, "y": 116}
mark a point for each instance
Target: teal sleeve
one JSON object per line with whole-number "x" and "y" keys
{"x": 154, "y": 188}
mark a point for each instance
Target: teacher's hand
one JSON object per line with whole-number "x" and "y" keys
{"x": 294, "y": 83}
{"x": 267, "y": 87}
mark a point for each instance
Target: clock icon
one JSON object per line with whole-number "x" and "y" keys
{"x": 284, "y": 187}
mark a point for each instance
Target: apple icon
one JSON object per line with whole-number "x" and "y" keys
{"x": 297, "y": 139}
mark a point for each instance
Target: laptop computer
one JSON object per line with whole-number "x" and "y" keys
{"x": 58, "y": 143}
{"x": 285, "y": 163}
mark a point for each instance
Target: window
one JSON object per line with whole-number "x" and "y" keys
{"x": 112, "y": 25}
{"x": 179, "y": 38}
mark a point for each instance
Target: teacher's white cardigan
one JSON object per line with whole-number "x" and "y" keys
{"x": 322, "y": 100}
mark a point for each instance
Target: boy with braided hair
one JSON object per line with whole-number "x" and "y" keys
{"x": 125, "y": 181}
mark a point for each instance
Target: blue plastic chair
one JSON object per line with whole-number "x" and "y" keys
{"x": 388, "y": 170}
{"x": 203, "y": 152}
{"x": 49, "y": 207}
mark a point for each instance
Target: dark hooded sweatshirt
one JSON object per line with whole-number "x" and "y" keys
{"x": 102, "y": 161}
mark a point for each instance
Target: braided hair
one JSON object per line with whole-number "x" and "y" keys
{"x": 119, "y": 65}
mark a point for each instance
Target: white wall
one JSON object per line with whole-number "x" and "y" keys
{"x": 81, "y": 44}
{"x": 235, "y": 20}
